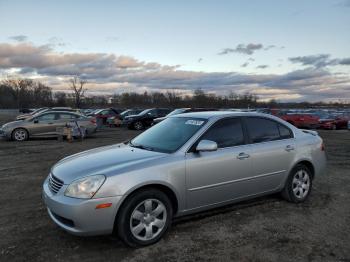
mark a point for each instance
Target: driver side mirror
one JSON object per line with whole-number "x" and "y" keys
{"x": 36, "y": 121}
{"x": 206, "y": 146}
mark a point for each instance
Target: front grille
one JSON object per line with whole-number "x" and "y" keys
{"x": 55, "y": 184}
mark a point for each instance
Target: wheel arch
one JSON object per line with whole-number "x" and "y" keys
{"x": 308, "y": 164}
{"x": 20, "y": 127}
{"x": 166, "y": 189}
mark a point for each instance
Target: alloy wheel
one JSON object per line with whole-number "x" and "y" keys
{"x": 148, "y": 219}
{"x": 20, "y": 135}
{"x": 138, "y": 126}
{"x": 301, "y": 184}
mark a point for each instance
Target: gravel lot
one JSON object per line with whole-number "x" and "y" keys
{"x": 265, "y": 229}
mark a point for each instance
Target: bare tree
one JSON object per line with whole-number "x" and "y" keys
{"x": 20, "y": 88}
{"x": 77, "y": 86}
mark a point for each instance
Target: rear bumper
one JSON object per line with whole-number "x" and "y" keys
{"x": 80, "y": 216}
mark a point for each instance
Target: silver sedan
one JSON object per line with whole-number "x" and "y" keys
{"x": 45, "y": 125}
{"x": 185, "y": 164}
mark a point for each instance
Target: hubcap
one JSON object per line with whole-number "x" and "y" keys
{"x": 20, "y": 135}
{"x": 148, "y": 219}
{"x": 301, "y": 184}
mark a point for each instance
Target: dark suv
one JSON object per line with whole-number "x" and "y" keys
{"x": 145, "y": 118}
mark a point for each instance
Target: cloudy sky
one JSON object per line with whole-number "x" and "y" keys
{"x": 292, "y": 50}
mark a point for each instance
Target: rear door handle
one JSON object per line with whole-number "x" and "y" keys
{"x": 289, "y": 148}
{"x": 242, "y": 156}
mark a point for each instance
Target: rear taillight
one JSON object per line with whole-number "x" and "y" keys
{"x": 93, "y": 120}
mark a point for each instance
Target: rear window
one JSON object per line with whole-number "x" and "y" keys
{"x": 285, "y": 132}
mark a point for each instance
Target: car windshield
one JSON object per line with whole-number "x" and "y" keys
{"x": 176, "y": 112}
{"x": 169, "y": 135}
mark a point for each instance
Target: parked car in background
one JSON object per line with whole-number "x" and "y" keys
{"x": 145, "y": 118}
{"x": 45, "y": 125}
{"x": 117, "y": 120}
{"x": 188, "y": 163}
{"x": 42, "y": 110}
{"x": 301, "y": 120}
{"x": 27, "y": 115}
{"x": 182, "y": 111}
{"x": 102, "y": 115}
{"x": 334, "y": 122}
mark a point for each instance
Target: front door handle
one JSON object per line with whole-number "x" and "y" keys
{"x": 242, "y": 156}
{"x": 289, "y": 148}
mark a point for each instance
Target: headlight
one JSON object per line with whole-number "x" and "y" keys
{"x": 85, "y": 187}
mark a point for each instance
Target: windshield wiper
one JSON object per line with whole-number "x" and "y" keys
{"x": 141, "y": 146}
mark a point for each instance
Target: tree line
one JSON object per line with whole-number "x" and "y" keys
{"x": 27, "y": 93}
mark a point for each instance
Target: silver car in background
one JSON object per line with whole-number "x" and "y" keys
{"x": 45, "y": 125}
{"x": 185, "y": 164}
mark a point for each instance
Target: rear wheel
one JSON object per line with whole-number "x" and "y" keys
{"x": 20, "y": 134}
{"x": 298, "y": 185}
{"x": 145, "y": 218}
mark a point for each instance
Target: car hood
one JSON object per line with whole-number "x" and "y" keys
{"x": 104, "y": 160}
{"x": 13, "y": 124}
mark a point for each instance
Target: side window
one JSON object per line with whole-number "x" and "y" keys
{"x": 47, "y": 117}
{"x": 67, "y": 116}
{"x": 285, "y": 132}
{"x": 262, "y": 130}
{"x": 226, "y": 133}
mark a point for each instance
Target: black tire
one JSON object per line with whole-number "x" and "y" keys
{"x": 138, "y": 126}
{"x": 16, "y": 137}
{"x": 123, "y": 221}
{"x": 288, "y": 192}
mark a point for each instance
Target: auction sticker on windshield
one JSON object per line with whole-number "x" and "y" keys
{"x": 194, "y": 122}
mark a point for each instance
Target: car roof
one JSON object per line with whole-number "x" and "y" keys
{"x": 221, "y": 114}
{"x": 57, "y": 112}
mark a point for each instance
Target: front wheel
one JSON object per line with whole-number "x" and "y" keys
{"x": 145, "y": 218}
{"x": 138, "y": 125}
{"x": 298, "y": 185}
{"x": 20, "y": 134}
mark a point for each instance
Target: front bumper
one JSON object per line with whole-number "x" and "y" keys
{"x": 80, "y": 216}
{"x": 4, "y": 134}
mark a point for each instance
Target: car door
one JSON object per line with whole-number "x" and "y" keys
{"x": 272, "y": 152}
{"x": 43, "y": 125}
{"x": 222, "y": 175}
{"x": 64, "y": 118}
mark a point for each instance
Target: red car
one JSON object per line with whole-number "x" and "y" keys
{"x": 302, "y": 120}
{"x": 334, "y": 122}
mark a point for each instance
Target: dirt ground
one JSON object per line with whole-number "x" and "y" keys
{"x": 265, "y": 229}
